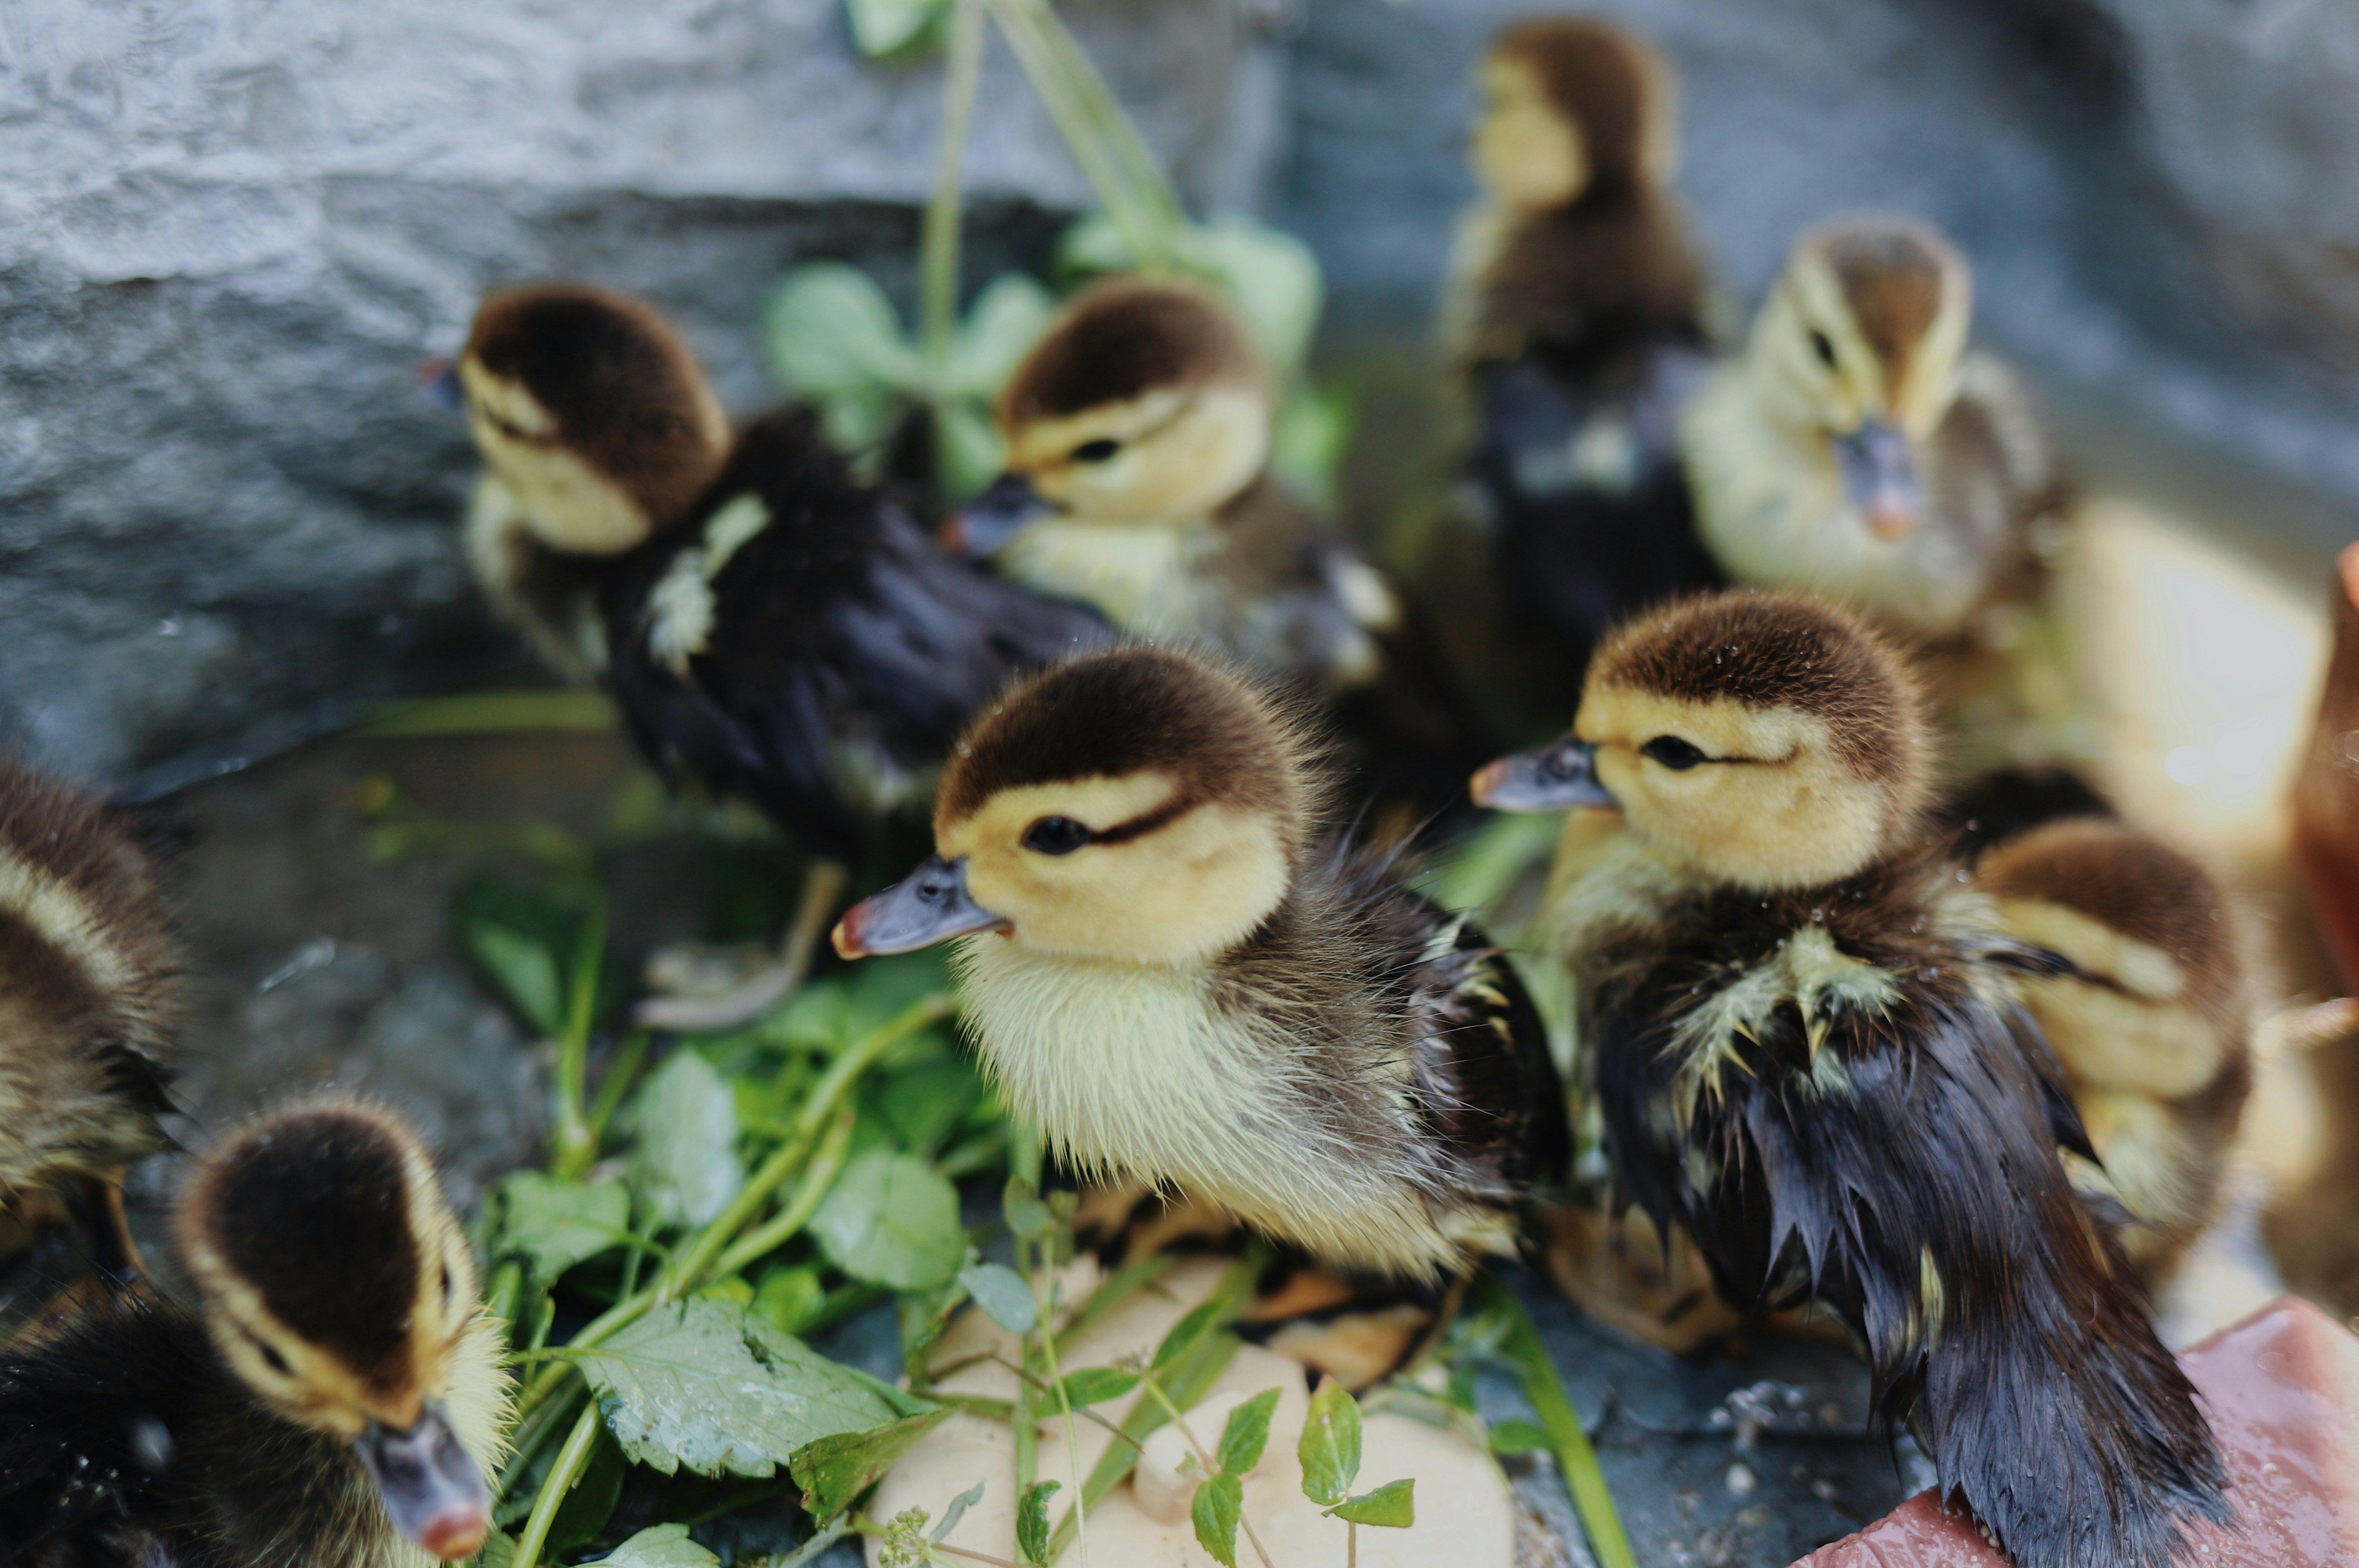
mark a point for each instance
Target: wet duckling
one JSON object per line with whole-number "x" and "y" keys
{"x": 2151, "y": 1021}
{"x": 786, "y": 635}
{"x": 1808, "y": 1054}
{"x": 88, "y": 1000}
{"x": 1577, "y": 317}
{"x": 1857, "y": 449}
{"x": 1138, "y": 434}
{"x": 335, "y": 1398}
{"x": 597, "y": 428}
{"x": 1182, "y": 980}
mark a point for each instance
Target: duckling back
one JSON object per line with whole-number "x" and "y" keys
{"x": 88, "y": 1000}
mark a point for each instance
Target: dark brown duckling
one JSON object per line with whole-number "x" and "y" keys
{"x": 1809, "y": 1055}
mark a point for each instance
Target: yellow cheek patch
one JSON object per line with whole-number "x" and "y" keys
{"x": 562, "y": 499}
{"x": 1186, "y": 454}
{"x": 1045, "y": 445}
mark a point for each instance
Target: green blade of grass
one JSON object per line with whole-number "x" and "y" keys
{"x": 1576, "y": 1460}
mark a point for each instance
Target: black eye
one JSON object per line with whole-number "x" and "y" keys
{"x": 446, "y": 1284}
{"x": 1673, "y": 753}
{"x": 1824, "y": 349}
{"x": 1095, "y": 452}
{"x": 271, "y": 1357}
{"x": 1056, "y": 835}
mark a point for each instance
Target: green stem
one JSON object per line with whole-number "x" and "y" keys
{"x": 501, "y": 1301}
{"x": 576, "y": 1145}
{"x": 1544, "y": 1390}
{"x": 619, "y": 1074}
{"x": 1065, "y": 1402}
{"x": 1210, "y": 1466}
{"x": 938, "y": 266}
{"x": 1027, "y": 1421}
{"x": 826, "y": 1164}
{"x": 562, "y": 1473}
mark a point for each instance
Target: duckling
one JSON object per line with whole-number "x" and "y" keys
{"x": 2326, "y": 786}
{"x": 1173, "y": 971}
{"x": 1808, "y": 1054}
{"x": 1576, "y": 314}
{"x": 597, "y": 428}
{"x": 89, "y": 997}
{"x": 785, "y": 634}
{"x": 336, "y": 1397}
{"x": 1857, "y": 449}
{"x": 1138, "y": 481}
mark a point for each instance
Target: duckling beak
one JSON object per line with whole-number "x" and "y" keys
{"x": 929, "y": 905}
{"x": 996, "y": 516}
{"x": 1556, "y": 777}
{"x": 433, "y": 1491}
{"x": 439, "y": 380}
{"x": 1880, "y": 477}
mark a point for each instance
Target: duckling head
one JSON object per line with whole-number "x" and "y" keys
{"x": 1570, "y": 104}
{"x": 1858, "y": 346}
{"x": 1764, "y": 740}
{"x": 588, "y": 404}
{"x": 337, "y": 1284}
{"x": 1140, "y": 806}
{"x": 1142, "y": 402}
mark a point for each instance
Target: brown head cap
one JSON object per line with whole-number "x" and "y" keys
{"x": 1895, "y": 275}
{"x": 1612, "y": 88}
{"x": 1122, "y": 338}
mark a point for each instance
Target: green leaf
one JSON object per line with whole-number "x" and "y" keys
{"x": 1003, "y": 1295}
{"x": 970, "y": 450}
{"x": 956, "y": 1512}
{"x": 1090, "y": 1386}
{"x": 1092, "y": 244}
{"x": 1184, "y": 1334}
{"x": 499, "y": 1551}
{"x": 685, "y": 1169}
{"x": 1515, "y": 1437}
{"x": 1307, "y": 441}
{"x": 556, "y": 1224}
{"x": 892, "y": 1219}
{"x": 1032, "y": 1522}
{"x": 787, "y": 1299}
{"x": 1330, "y": 1449}
{"x": 1392, "y": 1505}
{"x": 591, "y": 1503}
{"x": 1273, "y": 280}
{"x": 705, "y": 1385}
{"x": 1027, "y": 1217}
{"x": 923, "y": 1104}
{"x": 888, "y": 27}
{"x": 833, "y": 1471}
{"x": 1247, "y": 1434}
{"x": 829, "y": 329}
{"x": 1219, "y": 1504}
{"x": 525, "y": 971}
{"x": 661, "y": 1546}
{"x": 924, "y": 1314}
{"x": 1007, "y": 318}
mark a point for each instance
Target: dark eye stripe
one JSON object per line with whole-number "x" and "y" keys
{"x": 1673, "y": 753}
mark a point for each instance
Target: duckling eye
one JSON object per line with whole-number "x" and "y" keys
{"x": 1056, "y": 835}
{"x": 1095, "y": 452}
{"x": 1673, "y": 753}
{"x": 1824, "y": 348}
{"x": 270, "y": 1357}
{"x": 446, "y": 1284}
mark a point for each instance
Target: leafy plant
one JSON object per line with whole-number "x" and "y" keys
{"x": 1330, "y": 1453}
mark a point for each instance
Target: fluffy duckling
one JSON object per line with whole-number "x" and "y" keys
{"x": 1138, "y": 434}
{"x": 2151, "y": 1021}
{"x": 1807, "y": 1056}
{"x": 1174, "y": 972}
{"x": 1857, "y": 449}
{"x": 335, "y": 1398}
{"x": 597, "y": 428}
{"x": 783, "y": 633}
{"x": 1577, "y": 316}
{"x": 88, "y": 999}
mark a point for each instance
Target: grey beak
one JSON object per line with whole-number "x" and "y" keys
{"x": 1556, "y": 777}
{"x": 1880, "y": 477}
{"x": 929, "y": 905}
{"x": 438, "y": 381}
{"x": 433, "y": 1491}
{"x": 996, "y": 516}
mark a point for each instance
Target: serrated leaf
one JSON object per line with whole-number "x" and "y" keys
{"x": 661, "y": 1546}
{"x": 685, "y": 1167}
{"x": 1517, "y": 1437}
{"x": 971, "y": 451}
{"x": 1032, "y": 1522}
{"x": 1183, "y": 1334}
{"x": 555, "y": 1224}
{"x": 525, "y": 971}
{"x": 1027, "y": 1218}
{"x": 1219, "y": 1504}
{"x": 1392, "y": 1505}
{"x": 887, "y": 27}
{"x": 788, "y": 1298}
{"x": 705, "y": 1385}
{"x": 892, "y": 1220}
{"x": 956, "y": 1512}
{"x": 1247, "y": 1434}
{"x": 829, "y": 329}
{"x": 1090, "y": 1386}
{"x": 1003, "y": 1295}
{"x": 1007, "y": 318}
{"x": 833, "y": 1471}
{"x": 1330, "y": 1449}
